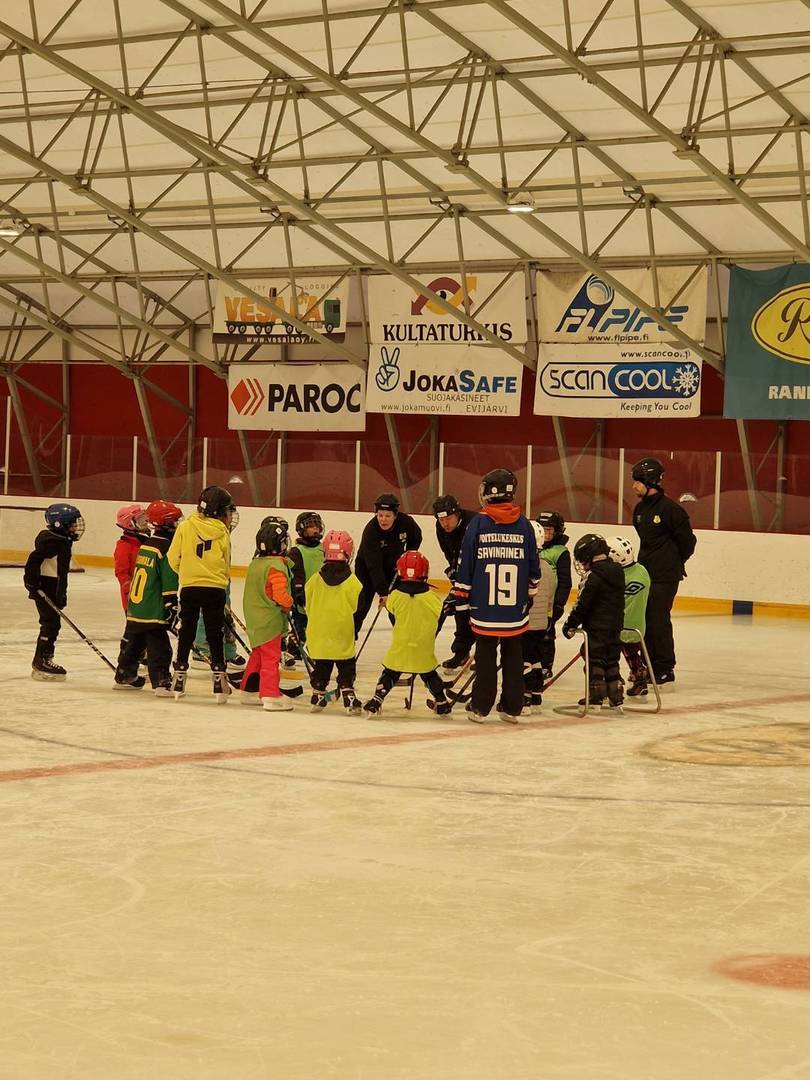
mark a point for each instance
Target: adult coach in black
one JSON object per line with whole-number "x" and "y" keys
{"x": 666, "y": 542}
{"x": 451, "y": 524}
{"x": 385, "y": 538}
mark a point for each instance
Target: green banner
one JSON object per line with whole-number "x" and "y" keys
{"x": 768, "y": 347}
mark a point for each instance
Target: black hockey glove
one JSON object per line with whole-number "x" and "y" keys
{"x": 569, "y": 630}
{"x": 556, "y": 612}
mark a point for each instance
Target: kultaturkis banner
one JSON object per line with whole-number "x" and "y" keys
{"x": 768, "y": 347}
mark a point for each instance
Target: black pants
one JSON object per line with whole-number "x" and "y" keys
{"x": 604, "y": 678}
{"x": 658, "y": 639}
{"x": 389, "y": 679}
{"x": 464, "y": 638}
{"x": 322, "y": 673}
{"x": 368, "y": 592}
{"x": 532, "y": 647}
{"x": 49, "y": 626}
{"x": 195, "y": 599}
{"x": 485, "y": 686}
{"x": 152, "y": 637}
{"x": 549, "y": 645}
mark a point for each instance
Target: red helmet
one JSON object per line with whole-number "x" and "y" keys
{"x": 162, "y": 514}
{"x": 413, "y": 566}
{"x": 129, "y": 516}
{"x": 337, "y": 546}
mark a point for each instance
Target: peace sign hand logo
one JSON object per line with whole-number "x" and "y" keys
{"x": 388, "y": 374}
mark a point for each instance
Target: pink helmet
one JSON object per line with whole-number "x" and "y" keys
{"x": 127, "y": 516}
{"x": 337, "y": 546}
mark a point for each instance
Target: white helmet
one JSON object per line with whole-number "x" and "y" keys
{"x": 621, "y": 551}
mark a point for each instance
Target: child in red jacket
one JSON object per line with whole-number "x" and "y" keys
{"x": 132, "y": 520}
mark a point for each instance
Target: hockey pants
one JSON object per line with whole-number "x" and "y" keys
{"x": 533, "y": 641}
{"x": 389, "y": 679}
{"x": 194, "y": 600}
{"x": 261, "y": 671}
{"x": 322, "y": 673}
{"x": 49, "y": 626}
{"x": 153, "y": 638}
{"x": 604, "y": 678}
{"x": 485, "y": 686}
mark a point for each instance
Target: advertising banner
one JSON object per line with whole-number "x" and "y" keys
{"x": 399, "y": 315}
{"x": 296, "y": 397}
{"x": 611, "y": 380}
{"x": 454, "y": 380}
{"x": 768, "y": 347}
{"x": 578, "y": 308}
{"x": 319, "y": 302}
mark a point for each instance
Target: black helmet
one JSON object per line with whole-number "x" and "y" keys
{"x": 445, "y": 505}
{"x": 550, "y": 519}
{"x": 307, "y": 520}
{"x": 588, "y": 547}
{"x": 498, "y": 486}
{"x": 386, "y": 501}
{"x": 648, "y": 471}
{"x": 273, "y": 537}
{"x": 215, "y": 502}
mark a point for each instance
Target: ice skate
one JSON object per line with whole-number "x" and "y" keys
{"x": 164, "y": 689}
{"x": 508, "y": 718}
{"x": 276, "y": 704}
{"x": 179, "y": 681}
{"x": 318, "y": 701}
{"x": 221, "y": 687}
{"x": 137, "y": 682}
{"x": 638, "y": 688}
{"x": 236, "y": 665}
{"x": 536, "y": 704}
{"x": 248, "y": 698}
{"x": 474, "y": 715}
{"x": 665, "y": 679}
{"x": 373, "y": 707}
{"x": 45, "y": 670}
{"x": 442, "y": 708}
{"x": 452, "y": 666}
{"x": 352, "y": 703}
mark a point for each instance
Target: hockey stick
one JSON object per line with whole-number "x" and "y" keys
{"x": 562, "y": 671}
{"x": 409, "y": 698}
{"x": 73, "y": 626}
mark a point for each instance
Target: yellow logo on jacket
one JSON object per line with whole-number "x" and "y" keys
{"x": 782, "y": 325}
{"x": 656, "y": 520}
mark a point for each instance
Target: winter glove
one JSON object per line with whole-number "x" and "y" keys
{"x": 172, "y": 614}
{"x": 569, "y": 630}
{"x": 557, "y": 611}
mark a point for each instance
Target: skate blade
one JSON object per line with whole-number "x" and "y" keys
{"x": 42, "y": 676}
{"x": 163, "y": 692}
{"x": 507, "y": 718}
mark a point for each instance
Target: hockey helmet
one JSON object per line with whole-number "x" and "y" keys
{"x": 621, "y": 550}
{"x": 588, "y": 547}
{"x": 215, "y": 502}
{"x": 65, "y": 519}
{"x": 386, "y": 501}
{"x": 338, "y": 546}
{"x": 539, "y": 536}
{"x": 550, "y": 519}
{"x": 132, "y": 517}
{"x": 649, "y": 471}
{"x": 163, "y": 515}
{"x": 273, "y": 537}
{"x": 413, "y": 566}
{"x": 445, "y": 505}
{"x": 498, "y": 486}
{"x": 308, "y": 520}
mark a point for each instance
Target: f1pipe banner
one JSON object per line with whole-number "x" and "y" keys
{"x": 768, "y": 353}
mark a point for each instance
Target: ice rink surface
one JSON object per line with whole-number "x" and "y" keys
{"x": 192, "y": 891}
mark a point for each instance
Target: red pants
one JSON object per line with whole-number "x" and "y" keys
{"x": 263, "y": 661}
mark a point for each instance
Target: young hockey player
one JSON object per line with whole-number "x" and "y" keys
{"x": 131, "y": 519}
{"x": 47, "y": 569}
{"x": 415, "y": 609}
{"x": 152, "y": 606}
{"x": 387, "y": 536}
{"x": 200, "y": 554}
{"x": 267, "y": 603}
{"x": 331, "y": 601}
{"x": 497, "y": 575}
{"x": 306, "y": 559}
{"x": 555, "y": 552}
{"x": 599, "y": 610}
{"x": 201, "y": 654}
{"x": 636, "y": 592}
{"x": 451, "y": 524}
{"x": 534, "y": 639}
{"x": 667, "y": 541}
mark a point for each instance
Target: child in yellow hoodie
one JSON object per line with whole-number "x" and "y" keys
{"x": 200, "y": 555}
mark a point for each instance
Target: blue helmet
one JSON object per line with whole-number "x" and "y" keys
{"x": 65, "y": 519}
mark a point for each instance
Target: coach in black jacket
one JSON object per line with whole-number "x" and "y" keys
{"x": 666, "y": 542}
{"x": 451, "y": 524}
{"x": 385, "y": 538}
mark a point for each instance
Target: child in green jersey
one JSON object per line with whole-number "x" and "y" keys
{"x": 151, "y": 605}
{"x": 267, "y": 603}
{"x": 306, "y": 559}
{"x": 554, "y": 551}
{"x": 415, "y": 609}
{"x": 332, "y": 595}
{"x": 636, "y": 593}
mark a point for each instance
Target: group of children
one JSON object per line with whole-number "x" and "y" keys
{"x": 303, "y": 600}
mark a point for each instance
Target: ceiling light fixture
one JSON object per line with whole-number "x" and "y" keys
{"x": 521, "y": 203}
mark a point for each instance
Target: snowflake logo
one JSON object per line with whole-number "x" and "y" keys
{"x": 686, "y": 379}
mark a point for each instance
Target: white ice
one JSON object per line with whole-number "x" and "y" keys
{"x": 543, "y": 902}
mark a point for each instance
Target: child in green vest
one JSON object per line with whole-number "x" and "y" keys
{"x": 554, "y": 552}
{"x": 415, "y": 609}
{"x": 636, "y": 593}
{"x": 331, "y": 601}
{"x": 306, "y": 559}
{"x": 267, "y": 603}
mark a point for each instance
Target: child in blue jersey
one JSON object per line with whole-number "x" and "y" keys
{"x": 497, "y": 578}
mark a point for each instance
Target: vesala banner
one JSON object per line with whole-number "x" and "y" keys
{"x": 617, "y": 381}
{"x": 318, "y": 302}
{"x": 768, "y": 348}
{"x": 453, "y": 380}
{"x": 399, "y": 315}
{"x": 296, "y": 397}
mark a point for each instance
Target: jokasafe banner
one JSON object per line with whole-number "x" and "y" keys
{"x": 454, "y": 379}
{"x": 617, "y": 381}
{"x": 768, "y": 344}
{"x": 321, "y": 303}
{"x": 296, "y": 397}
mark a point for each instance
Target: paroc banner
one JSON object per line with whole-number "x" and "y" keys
{"x": 296, "y": 397}
{"x": 611, "y": 380}
{"x": 768, "y": 347}
{"x": 318, "y": 302}
{"x": 463, "y": 380}
{"x": 399, "y": 315}
{"x": 575, "y": 308}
